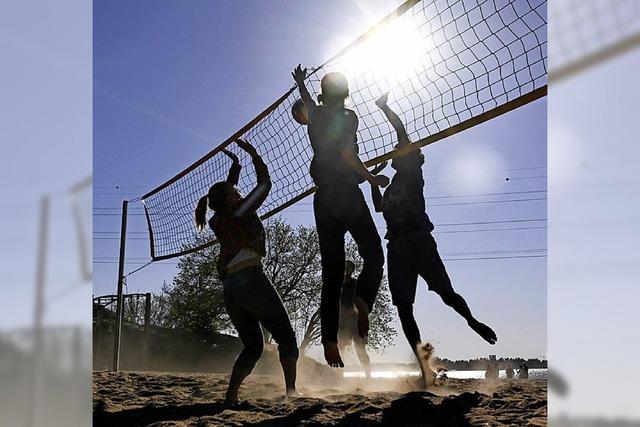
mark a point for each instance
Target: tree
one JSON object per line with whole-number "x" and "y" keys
{"x": 195, "y": 296}
{"x": 194, "y": 299}
{"x": 293, "y": 265}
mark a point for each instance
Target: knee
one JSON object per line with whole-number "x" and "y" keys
{"x": 449, "y": 297}
{"x": 250, "y": 355}
{"x": 288, "y": 347}
{"x": 288, "y": 351}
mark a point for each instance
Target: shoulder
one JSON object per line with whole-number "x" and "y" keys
{"x": 217, "y": 221}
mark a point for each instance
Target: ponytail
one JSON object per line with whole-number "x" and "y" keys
{"x": 201, "y": 213}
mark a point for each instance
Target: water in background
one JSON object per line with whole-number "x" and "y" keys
{"x": 537, "y": 374}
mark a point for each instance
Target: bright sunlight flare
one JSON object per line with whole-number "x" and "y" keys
{"x": 390, "y": 53}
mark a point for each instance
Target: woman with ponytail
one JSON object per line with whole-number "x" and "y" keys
{"x": 250, "y": 298}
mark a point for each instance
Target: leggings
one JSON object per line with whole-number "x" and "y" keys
{"x": 252, "y": 300}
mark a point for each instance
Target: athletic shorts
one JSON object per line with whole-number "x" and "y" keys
{"x": 410, "y": 256}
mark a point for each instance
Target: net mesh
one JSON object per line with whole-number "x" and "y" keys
{"x": 587, "y": 32}
{"x": 443, "y": 63}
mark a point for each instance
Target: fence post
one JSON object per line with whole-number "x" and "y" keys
{"x": 147, "y": 321}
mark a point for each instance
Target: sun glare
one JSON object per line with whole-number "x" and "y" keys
{"x": 391, "y": 53}
{"x": 477, "y": 168}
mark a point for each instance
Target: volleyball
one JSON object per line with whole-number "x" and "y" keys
{"x": 300, "y": 112}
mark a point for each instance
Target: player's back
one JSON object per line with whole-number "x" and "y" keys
{"x": 403, "y": 203}
{"x": 331, "y": 131}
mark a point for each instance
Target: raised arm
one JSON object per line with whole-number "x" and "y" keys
{"x": 256, "y": 197}
{"x": 299, "y": 75}
{"x": 393, "y": 118}
{"x": 236, "y": 167}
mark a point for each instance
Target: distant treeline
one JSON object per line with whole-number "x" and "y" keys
{"x": 481, "y": 364}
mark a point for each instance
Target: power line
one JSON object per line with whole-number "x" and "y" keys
{"x": 481, "y": 253}
{"x": 505, "y": 221}
{"x": 429, "y": 197}
{"x": 428, "y": 206}
{"x": 118, "y": 187}
{"x": 454, "y": 254}
{"x": 444, "y": 259}
{"x": 494, "y": 258}
{"x": 381, "y": 227}
{"x": 517, "y": 178}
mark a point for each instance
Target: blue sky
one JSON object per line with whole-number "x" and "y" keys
{"x": 46, "y": 123}
{"x": 173, "y": 80}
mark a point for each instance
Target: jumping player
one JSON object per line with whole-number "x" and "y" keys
{"x": 412, "y": 250}
{"x": 348, "y": 331}
{"x": 339, "y": 206}
{"x": 250, "y": 298}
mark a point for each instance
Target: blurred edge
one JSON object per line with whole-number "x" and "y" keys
{"x": 593, "y": 260}
{"x": 48, "y": 46}
{"x": 45, "y": 170}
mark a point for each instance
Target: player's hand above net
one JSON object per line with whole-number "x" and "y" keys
{"x": 246, "y": 147}
{"x": 231, "y": 155}
{"x": 299, "y": 74}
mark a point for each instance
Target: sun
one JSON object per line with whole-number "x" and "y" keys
{"x": 391, "y": 53}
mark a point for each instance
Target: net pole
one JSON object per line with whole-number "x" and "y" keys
{"x": 119, "y": 301}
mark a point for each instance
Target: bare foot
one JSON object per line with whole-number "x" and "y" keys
{"x": 424, "y": 353}
{"x": 292, "y": 394}
{"x": 332, "y": 354}
{"x": 231, "y": 401}
{"x": 484, "y": 331}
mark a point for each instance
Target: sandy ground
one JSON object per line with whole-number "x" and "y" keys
{"x": 156, "y": 399}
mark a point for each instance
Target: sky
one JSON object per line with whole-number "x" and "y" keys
{"x": 173, "y": 81}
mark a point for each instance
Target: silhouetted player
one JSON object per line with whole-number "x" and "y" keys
{"x": 339, "y": 206}
{"x": 348, "y": 331}
{"x": 412, "y": 250}
{"x": 509, "y": 371}
{"x": 250, "y": 298}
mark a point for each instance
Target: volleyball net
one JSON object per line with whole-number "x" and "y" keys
{"x": 448, "y": 65}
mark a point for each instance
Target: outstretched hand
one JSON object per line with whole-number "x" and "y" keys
{"x": 246, "y": 146}
{"x": 299, "y": 74}
{"x": 231, "y": 155}
{"x": 382, "y": 101}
